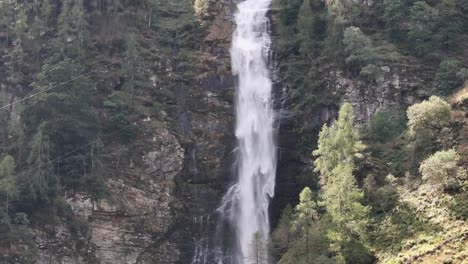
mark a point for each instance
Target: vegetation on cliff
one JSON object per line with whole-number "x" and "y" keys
{"x": 366, "y": 170}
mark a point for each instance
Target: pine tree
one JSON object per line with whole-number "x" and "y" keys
{"x": 394, "y": 14}
{"x": 311, "y": 27}
{"x": 8, "y": 181}
{"x": 338, "y": 147}
{"x": 337, "y": 144}
{"x": 306, "y": 215}
{"x": 282, "y": 234}
{"x": 342, "y": 200}
{"x": 449, "y": 23}
{"x": 259, "y": 250}
{"x": 421, "y": 28}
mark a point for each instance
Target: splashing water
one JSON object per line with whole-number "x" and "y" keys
{"x": 254, "y": 131}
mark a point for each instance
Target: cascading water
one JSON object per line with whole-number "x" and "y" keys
{"x": 245, "y": 205}
{"x": 256, "y": 164}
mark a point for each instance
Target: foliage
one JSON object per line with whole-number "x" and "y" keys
{"x": 349, "y": 217}
{"x": 422, "y": 26}
{"x": 282, "y": 235}
{"x": 448, "y": 78}
{"x": 8, "y": 181}
{"x": 358, "y": 48}
{"x": 311, "y": 27}
{"x": 338, "y": 147}
{"x": 442, "y": 169}
{"x": 337, "y": 144}
{"x": 449, "y": 24}
{"x": 385, "y": 126}
{"x": 306, "y": 211}
{"x": 429, "y": 117}
{"x": 393, "y": 17}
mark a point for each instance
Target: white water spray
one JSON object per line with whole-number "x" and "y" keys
{"x": 255, "y": 131}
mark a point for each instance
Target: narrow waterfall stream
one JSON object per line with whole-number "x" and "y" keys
{"x": 244, "y": 207}
{"x": 256, "y": 164}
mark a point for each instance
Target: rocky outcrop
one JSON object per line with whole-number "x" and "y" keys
{"x": 139, "y": 207}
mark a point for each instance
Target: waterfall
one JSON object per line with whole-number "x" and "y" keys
{"x": 244, "y": 207}
{"x": 256, "y": 164}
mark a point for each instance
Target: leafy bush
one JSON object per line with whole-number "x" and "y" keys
{"x": 442, "y": 169}
{"x": 429, "y": 117}
{"x": 385, "y": 126}
{"x": 358, "y": 48}
{"x": 449, "y": 76}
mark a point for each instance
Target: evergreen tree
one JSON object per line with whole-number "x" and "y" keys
{"x": 282, "y": 234}
{"x": 259, "y": 250}
{"x": 342, "y": 199}
{"x": 72, "y": 28}
{"x": 8, "y": 181}
{"x": 358, "y": 49}
{"x": 421, "y": 28}
{"x": 311, "y": 27}
{"x": 449, "y": 23}
{"x": 447, "y": 78}
{"x": 394, "y": 14}
{"x": 65, "y": 118}
{"x": 337, "y": 144}
{"x": 306, "y": 215}
{"x": 35, "y": 184}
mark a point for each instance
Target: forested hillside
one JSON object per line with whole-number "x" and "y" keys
{"x": 387, "y": 181}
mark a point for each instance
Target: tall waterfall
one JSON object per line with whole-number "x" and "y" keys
{"x": 256, "y": 163}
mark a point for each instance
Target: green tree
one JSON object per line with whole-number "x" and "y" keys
{"x": 358, "y": 49}
{"x": 35, "y": 184}
{"x": 306, "y": 215}
{"x": 338, "y": 147}
{"x": 8, "y": 181}
{"x": 447, "y": 78}
{"x": 449, "y": 23}
{"x": 442, "y": 169}
{"x": 421, "y": 28}
{"x": 311, "y": 27}
{"x": 429, "y": 117}
{"x": 337, "y": 144}
{"x": 394, "y": 14}
{"x": 65, "y": 119}
{"x": 342, "y": 199}
{"x": 281, "y": 236}
{"x": 385, "y": 126}
{"x": 72, "y": 28}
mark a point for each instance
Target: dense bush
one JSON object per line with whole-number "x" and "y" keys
{"x": 442, "y": 169}
{"x": 385, "y": 126}
{"x": 429, "y": 117}
{"x": 449, "y": 76}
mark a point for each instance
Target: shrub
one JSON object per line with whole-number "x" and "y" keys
{"x": 358, "y": 48}
{"x": 442, "y": 168}
{"x": 447, "y": 77}
{"x": 385, "y": 126}
{"x": 429, "y": 117}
